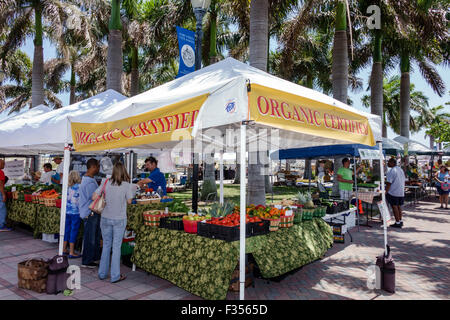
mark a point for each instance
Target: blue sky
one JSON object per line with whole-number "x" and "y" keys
{"x": 416, "y": 79}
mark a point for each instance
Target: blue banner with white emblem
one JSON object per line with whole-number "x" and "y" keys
{"x": 186, "y": 43}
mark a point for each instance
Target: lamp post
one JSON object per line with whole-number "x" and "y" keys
{"x": 200, "y": 7}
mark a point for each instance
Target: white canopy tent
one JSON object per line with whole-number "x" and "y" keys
{"x": 42, "y": 130}
{"x": 225, "y": 95}
{"x": 24, "y": 114}
{"x": 413, "y": 146}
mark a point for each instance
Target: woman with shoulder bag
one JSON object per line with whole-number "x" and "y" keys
{"x": 117, "y": 193}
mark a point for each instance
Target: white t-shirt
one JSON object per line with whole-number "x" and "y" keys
{"x": 60, "y": 168}
{"x": 46, "y": 177}
{"x": 396, "y": 177}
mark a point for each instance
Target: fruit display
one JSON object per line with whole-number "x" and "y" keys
{"x": 264, "y": 212}
{"x": 232, "y": 220}
{"x": 204, "y": 266}
{"x": 148, "y": 197}
{"x": 49, "y": 194}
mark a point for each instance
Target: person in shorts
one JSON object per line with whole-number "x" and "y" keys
{"x": 442, "y": 178}
{"x": 395, "y": 191}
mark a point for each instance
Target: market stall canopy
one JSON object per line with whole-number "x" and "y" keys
{"x": 414, "y": 147}
{"x": 25, "y": 115}
{"x": 220, "y": 97}
{"x": 392, "y": 147}
{"x": 320, "y": 152}
{"x": 47, "y": 132}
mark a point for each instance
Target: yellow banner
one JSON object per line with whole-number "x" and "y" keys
{"x": 151, "y": 127}
{"x": 290, "y": 112}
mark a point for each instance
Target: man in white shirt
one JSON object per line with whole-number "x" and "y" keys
{"x": 60, "y": 168}
{"x": 47, "y": 176}
{"x": 395, "y": 191}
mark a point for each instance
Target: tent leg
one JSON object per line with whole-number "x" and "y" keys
{"x": 309, "y": 174}
{"x": 221, "y": 178}
{"x": 242, "y": 213}
{"x": 356, "y": 193}
{"x": 62, "y": 223}
{"x": 383, "y": 195}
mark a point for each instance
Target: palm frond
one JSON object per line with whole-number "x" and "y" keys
{"x": 432, "y": 77}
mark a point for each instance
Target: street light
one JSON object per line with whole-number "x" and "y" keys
{"x": 200, "y": 7}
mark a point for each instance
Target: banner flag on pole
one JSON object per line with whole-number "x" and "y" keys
{"x": 186, "y": 44}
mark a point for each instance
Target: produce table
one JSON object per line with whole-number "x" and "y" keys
{"x": 204, "y": 266}
{"x": 20, "y": 211}
{"x": 39, "y": 217}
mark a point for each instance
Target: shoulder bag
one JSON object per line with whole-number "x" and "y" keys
{"x": 99, "y": 204}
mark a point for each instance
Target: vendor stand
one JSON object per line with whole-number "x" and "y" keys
{"x": 350, "y": 150}
{"x": 239, "y": 97}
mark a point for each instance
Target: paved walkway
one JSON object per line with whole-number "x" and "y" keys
{"x": 420, "y": 249}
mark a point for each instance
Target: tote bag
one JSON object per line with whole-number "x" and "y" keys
{"x": 99, "y": 204}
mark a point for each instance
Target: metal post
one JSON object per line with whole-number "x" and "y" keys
{"x": 221, "y": 178}
{"x": 62, "y": 223}
{"x": 309, "y": 174}
{"x": 195, "y": 182}
{"x": 356, "y": 193}
{"x": 243, "y": 212}
{"x": 199, "y": 13}
{"x": 383, "y": 196}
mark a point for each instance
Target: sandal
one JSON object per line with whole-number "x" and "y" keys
{"x": 74, "y": 256}
{"x": 122, "y": 277}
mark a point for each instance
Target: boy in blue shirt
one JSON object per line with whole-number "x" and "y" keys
{"x": 156, "y": 178}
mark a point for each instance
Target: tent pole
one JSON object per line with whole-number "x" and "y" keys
{"x": 221, "y": 178}
{"x": 62, "y": 223}
{"x": 383, "y": 196}
{"x": 242, "y": 213}
{"x": 356, "y": 193}
{"x": 309, "y": 174}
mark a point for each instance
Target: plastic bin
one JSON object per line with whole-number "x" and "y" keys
{"x": 260, "y": 228}
{"x": 190, "y": 226}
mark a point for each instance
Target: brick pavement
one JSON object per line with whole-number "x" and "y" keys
{"x": 420, "y": 249}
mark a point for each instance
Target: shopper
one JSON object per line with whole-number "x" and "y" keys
{"x": 442, "y": 177}
{"x": 345, "y": 178}
{"x": 91, "y": 220}
{"x": 72, "y": 214}
{"x": 395, "y": 191}
{"x": 118, "y": 192}
{"x": 156, "y": 178}
{"x": 3, "y": 198}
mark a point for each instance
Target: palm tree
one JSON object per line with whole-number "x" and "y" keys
{"x": 17, "y": 93}
{"x": 114, "y": 60}
{"x": 48, "y": 18}
{"x": 423, "y": 33}
{"x": 428, "y": 119}
{"x": 391, "y": 105}
{"x": 259, "y": 45}
{"x": 339, "y": 70}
